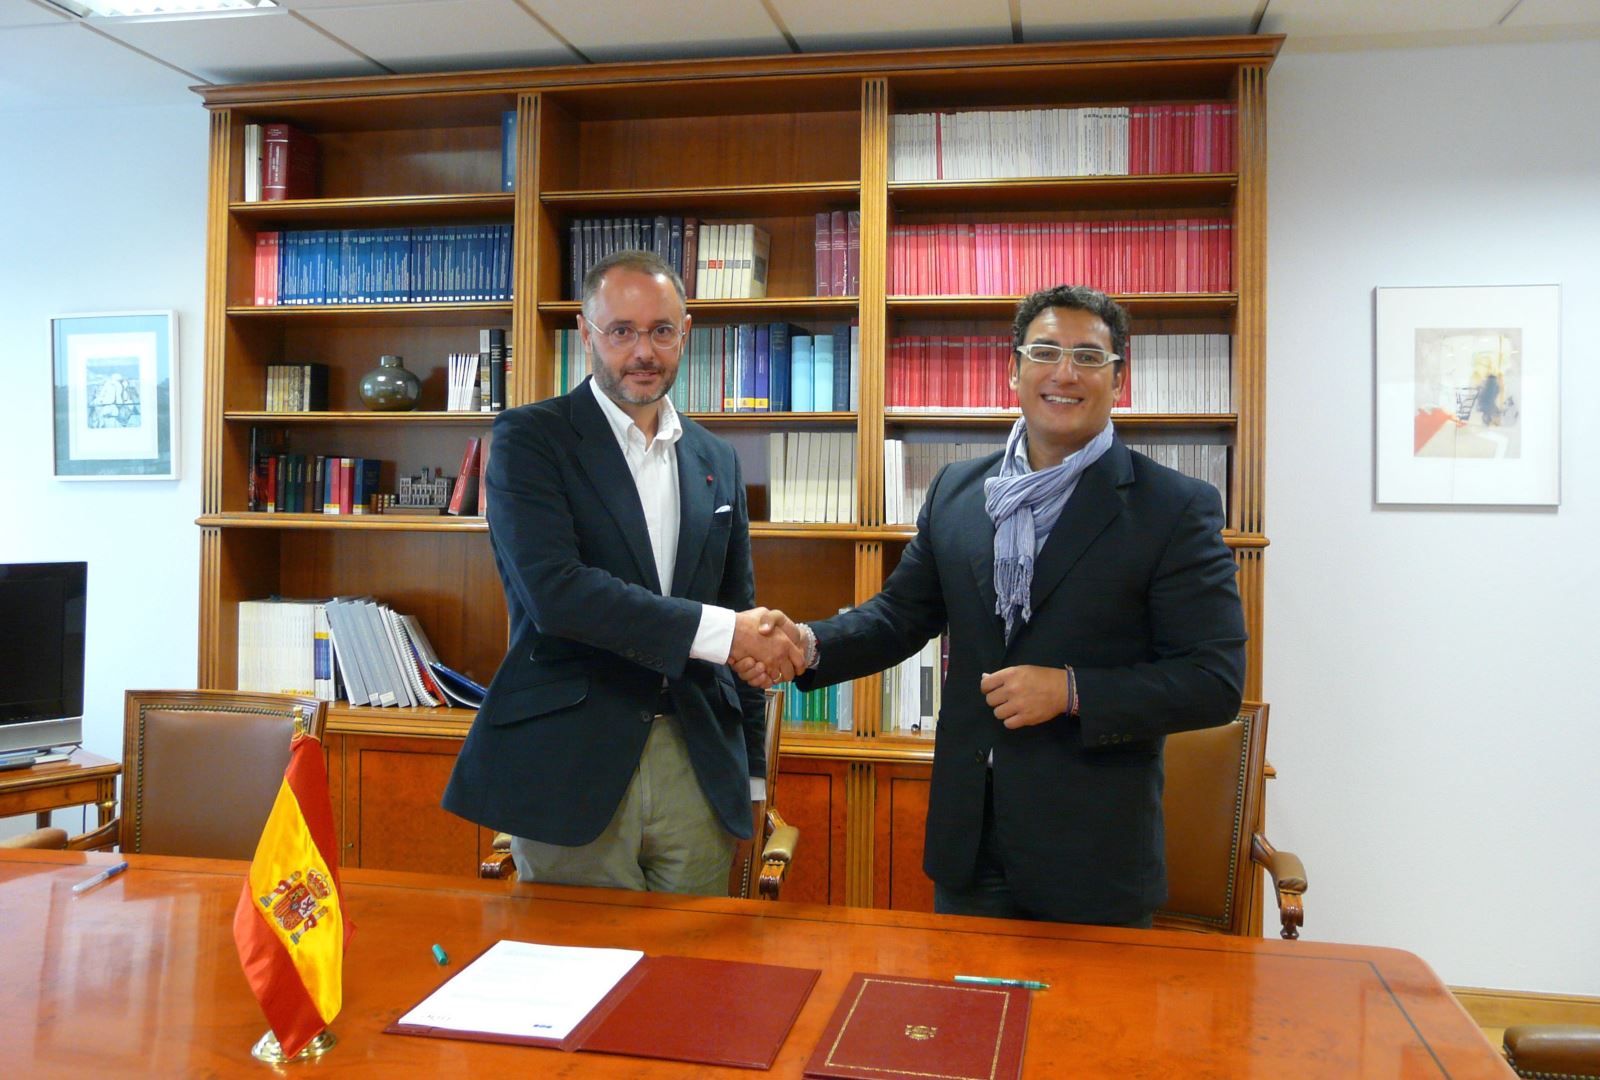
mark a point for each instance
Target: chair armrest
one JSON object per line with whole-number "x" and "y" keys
{"x": 1288, "y": 881}
{"x": 49, "y": 839}
{"x": 776, "y": 856}
{"x": 1553, "y": 1050}
{"x": 499, "y": 866}
{"x": 102, "y": 839}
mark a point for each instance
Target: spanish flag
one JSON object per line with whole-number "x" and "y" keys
{"x": 289, "y": 926}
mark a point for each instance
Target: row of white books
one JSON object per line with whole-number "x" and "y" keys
{"x": 913, "y": 691}
{"x": 1181, "y": 373}
{"x": 1202, "y": 461}
{"x": 909, "y": 467}
{"x": 349, "y": 647}
{"x": 731, "y": 262}
{"x": 996, "y": 145}
{"x": 811, "y": 476}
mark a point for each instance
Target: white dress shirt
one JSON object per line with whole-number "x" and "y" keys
{"x": 654, "y": 465}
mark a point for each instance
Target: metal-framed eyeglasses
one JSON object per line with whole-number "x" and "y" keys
{"x": 1084, "y": 357}
{"x": 663, "y": 336}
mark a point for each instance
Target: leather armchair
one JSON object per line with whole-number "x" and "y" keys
{"x": 200, "y": 770}
{"x": 1212, "y": 803}
{"x": 1544, "y": 1051}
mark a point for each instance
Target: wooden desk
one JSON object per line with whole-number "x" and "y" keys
{"x": 84, "y": 778}
{"x": 139, "y": 976}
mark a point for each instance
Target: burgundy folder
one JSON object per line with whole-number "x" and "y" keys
{"x": 683, "y": 1008}
{"x": 887, "y": 1027}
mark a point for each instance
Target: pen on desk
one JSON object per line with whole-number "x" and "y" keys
{"x": 983, "y": 980}
{"x": 439, "y": 957}
{"x": 105, "y": 875}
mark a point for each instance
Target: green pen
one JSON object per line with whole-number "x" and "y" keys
{"x": 983, "y": 980}
{"x": 439, "y": 957}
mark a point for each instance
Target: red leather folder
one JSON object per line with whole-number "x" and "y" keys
{"x": 713, "y": 1012}
{"x": 887, "y": 1027}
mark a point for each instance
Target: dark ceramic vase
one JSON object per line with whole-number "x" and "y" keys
{"x": 389, "y": 387}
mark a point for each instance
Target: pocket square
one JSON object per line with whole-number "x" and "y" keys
{"x": 723, "y": 509}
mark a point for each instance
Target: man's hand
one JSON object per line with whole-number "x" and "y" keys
{"x": 1026, "y": 695}
{"x": 760, "y": 656}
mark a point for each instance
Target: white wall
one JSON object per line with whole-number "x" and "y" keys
{"x": 104, "y": 210}
{"x": 1435, "y": 711}
{"x": 1436, "y": 736}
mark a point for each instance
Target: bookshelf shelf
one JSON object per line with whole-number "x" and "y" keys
{"x": 770, "y": 141}
{"x": 1003, "y": 420}
{"x": 1139, "y": 305}
{"x": 769, "y": 419}
{"x": 753, "y": 309}
{"x": 1079, "y": 192}
{"x": 718, "y": 201}
{"x": 468, "y": 419}
{"x": 443, "y": 523}
{"x": 375, "y": 210}
{"x": 459, "y": 313}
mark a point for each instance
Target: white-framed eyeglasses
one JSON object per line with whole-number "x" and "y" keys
{"x": 1084, "y": 357}
{"x": 663, "y": 336}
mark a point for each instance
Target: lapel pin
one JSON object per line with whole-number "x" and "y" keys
{"x": 708, "y": 478}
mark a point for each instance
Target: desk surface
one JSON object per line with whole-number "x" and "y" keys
{"x": 139, "y": 976}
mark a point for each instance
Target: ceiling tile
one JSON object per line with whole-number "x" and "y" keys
{"x": 27, "y": 13}
{"x": 448, "y": 35}
{"x": 68, "y": 67}
{"x": 1555, "y": 13}
{"x": 250, "y": 47}
{"x": 1056, "y": 20}
{"x": 640, "y": 30}
{"x": 825, "y": 25}
{"x": 1360, "y": 18}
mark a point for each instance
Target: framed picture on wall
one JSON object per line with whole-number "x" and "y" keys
{"x": 116, "y": 395}
{"x": 1468, "y": 395}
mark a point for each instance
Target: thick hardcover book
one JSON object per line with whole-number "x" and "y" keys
{"x": 289, "y": 170}
{"x": 508, "y": 150}
{"x": 712, "y": 1012}
{"x": 887, "y": 1027}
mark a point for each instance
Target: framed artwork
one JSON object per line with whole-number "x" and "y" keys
{"x": 1468, "y": 395}
{"x": 116, "y": 395}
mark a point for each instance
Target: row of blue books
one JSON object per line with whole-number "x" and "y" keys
{"x": 431, "y": 263}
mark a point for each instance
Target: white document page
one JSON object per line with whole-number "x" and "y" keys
{"x": 519, "y": 988}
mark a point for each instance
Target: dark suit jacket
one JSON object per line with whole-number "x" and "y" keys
{"x": 1134, "y": 589}
{"x": 557, "y": 740}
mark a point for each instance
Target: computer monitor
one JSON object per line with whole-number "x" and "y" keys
{"x": 42, "y": 612}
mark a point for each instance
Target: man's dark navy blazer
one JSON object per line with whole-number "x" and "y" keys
{"x": 555, "y": 744}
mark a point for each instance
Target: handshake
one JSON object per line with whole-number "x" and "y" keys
{"x": 768, "y": 647}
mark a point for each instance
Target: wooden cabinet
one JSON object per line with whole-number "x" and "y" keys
{"x": 774, "y": 141}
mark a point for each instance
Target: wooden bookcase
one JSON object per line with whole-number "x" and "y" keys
{"x": 770, "y": 140}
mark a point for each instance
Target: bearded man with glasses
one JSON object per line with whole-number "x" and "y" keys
{"x": 1092, "y": 609}
{"x": 615, "y": 745}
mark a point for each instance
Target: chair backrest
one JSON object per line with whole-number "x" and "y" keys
{"x": 1212, "y": 804}
{"x": 201, "y": 768}
{"x": 744, "y": 878}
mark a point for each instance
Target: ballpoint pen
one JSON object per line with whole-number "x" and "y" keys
{"x": 984, "y": 980}
{"x": 105, "y": 875}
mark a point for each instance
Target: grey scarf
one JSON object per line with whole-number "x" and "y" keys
{"x": 1024, "y": 507}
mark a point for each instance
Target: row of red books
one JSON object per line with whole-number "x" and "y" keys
{"x": 969, "y": 373}
{"x": 1179, "y": 255}
{"x": 838, "y": 253}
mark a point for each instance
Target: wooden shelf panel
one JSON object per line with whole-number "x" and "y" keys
{"x": 474, "y": 313}
{"x": 1150, "y": 305}
{"x": 756, "y": 310}
{"x": 805, "y": 530}
{"x": 347, "y": 719}
{"x": 376, "y": 210}
{"x": 1065, "y": 192}
{"x": 785, "y": 419}
{"x": 713, "y": 202}
{"x": 1004, "y": 419}
{"x": 470, "y": 419}
{"x": 242, "y": 519}
{"x": 843, "y": 746}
